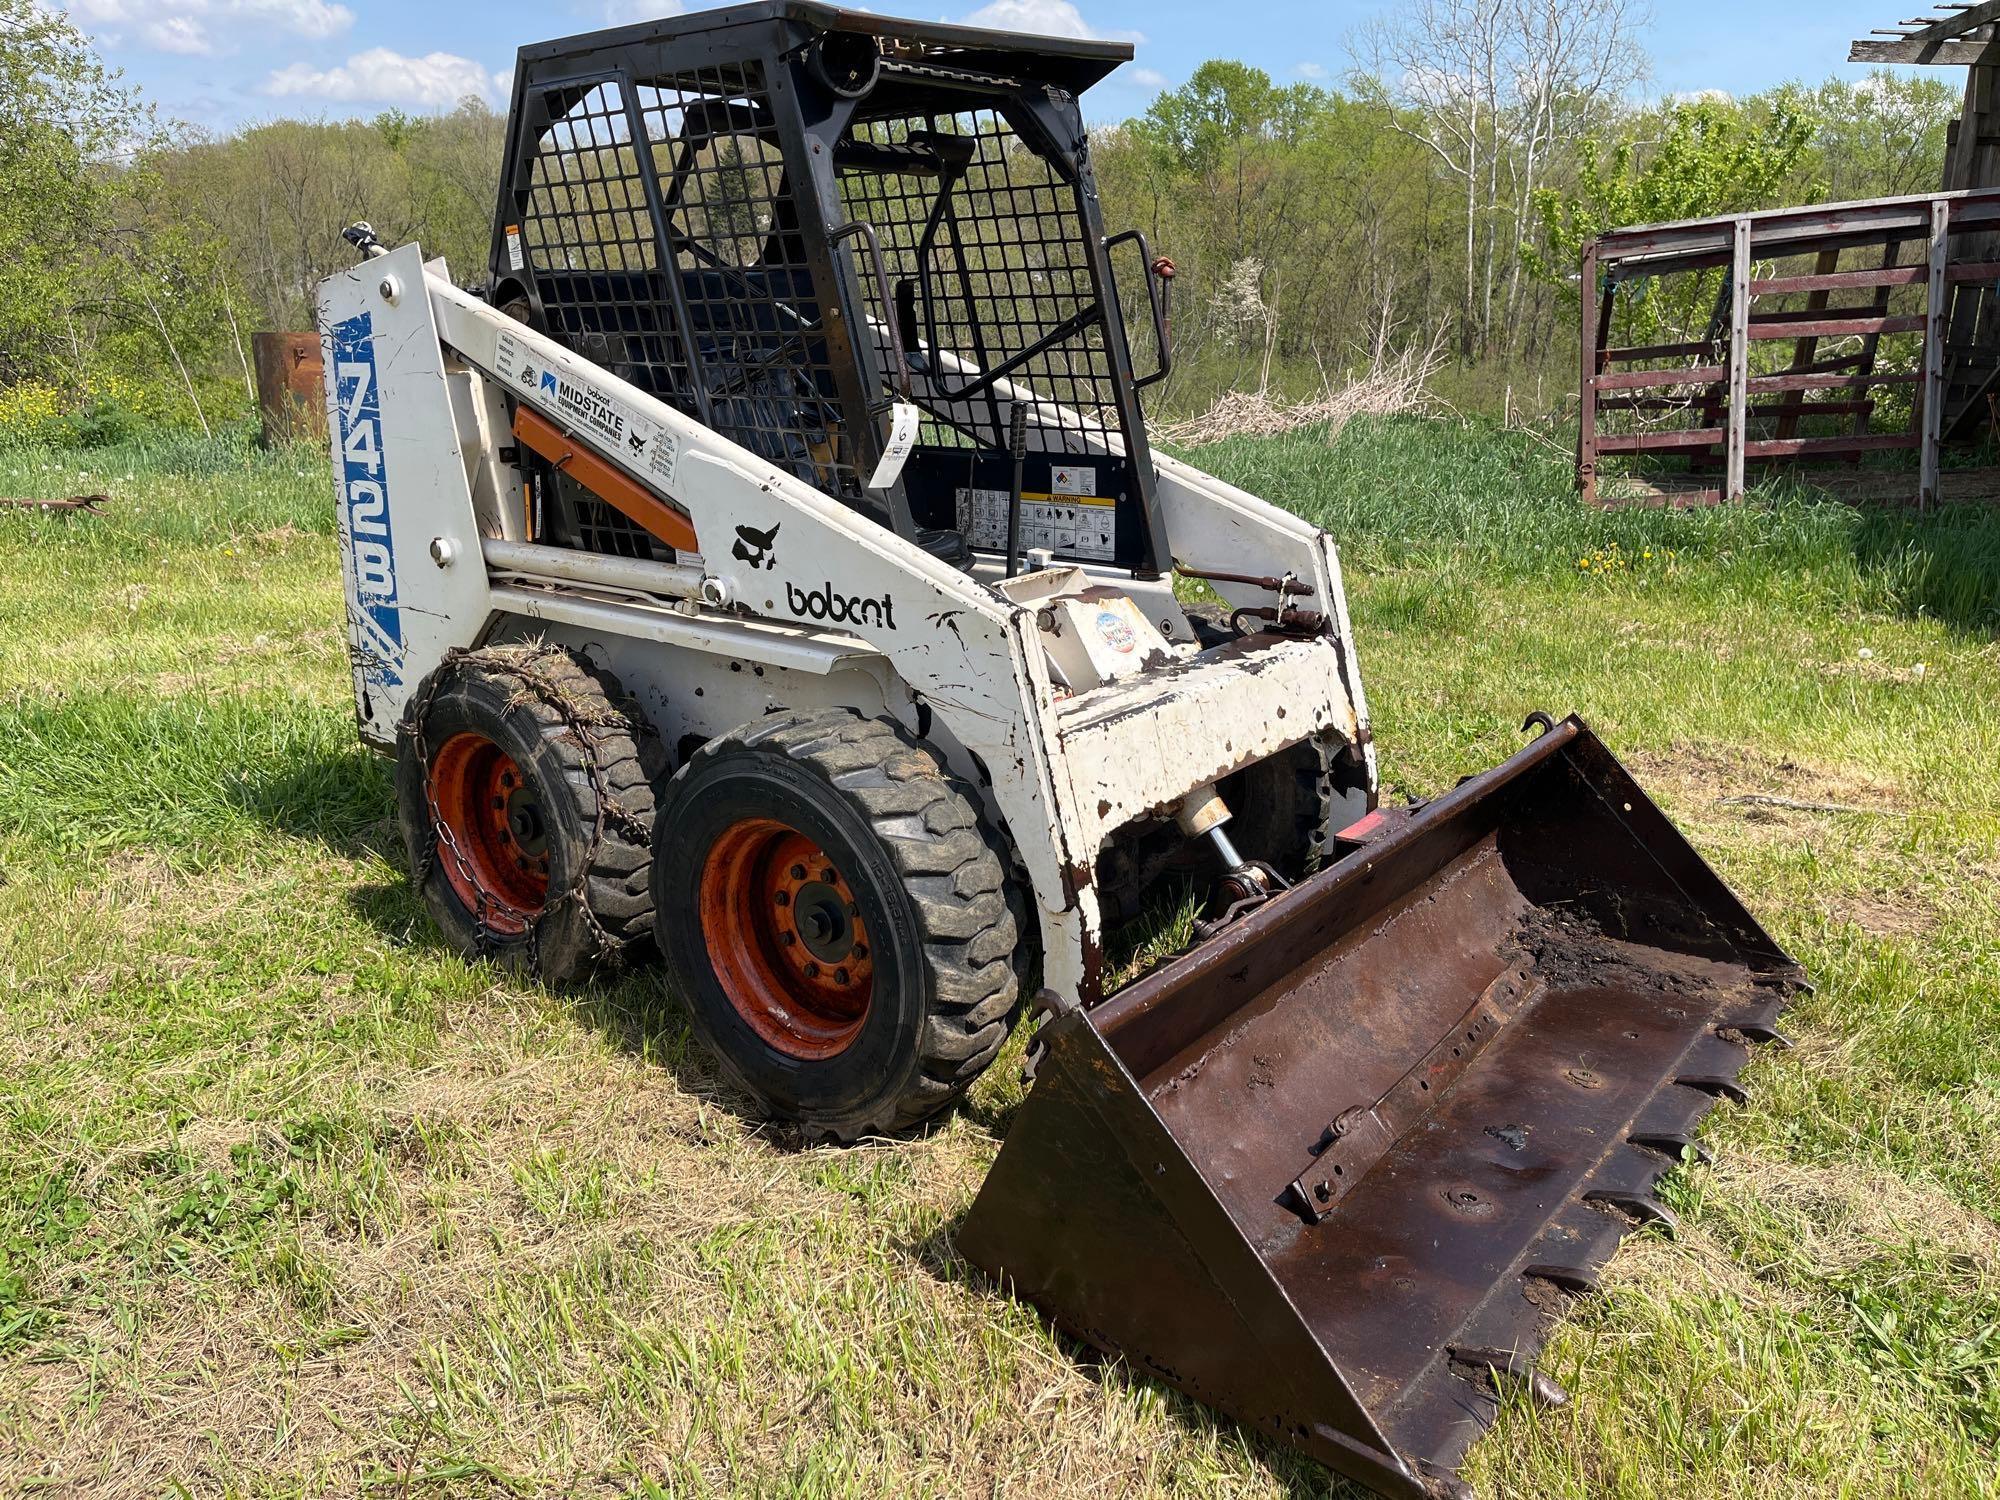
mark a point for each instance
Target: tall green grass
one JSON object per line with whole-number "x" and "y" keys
{"x": 168, "y": 490}
{"x": 1411, "y": 492}
{"x": 194, "y": 778}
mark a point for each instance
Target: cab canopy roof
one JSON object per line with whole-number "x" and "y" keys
{"x": 780, "y": 26}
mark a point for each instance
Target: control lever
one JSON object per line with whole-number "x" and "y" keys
{"x": 1017, "y": 445}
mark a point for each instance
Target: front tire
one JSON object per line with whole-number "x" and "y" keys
{"x": 836, "y": 917}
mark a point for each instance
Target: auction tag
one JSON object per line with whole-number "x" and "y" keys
{"x": 902, "y": 438}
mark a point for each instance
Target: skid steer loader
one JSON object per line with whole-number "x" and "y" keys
{"x": 770, "y": 565}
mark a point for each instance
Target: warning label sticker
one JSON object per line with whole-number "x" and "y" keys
{"x": 1068, "y": 525}
{"x": 1073, "y": 479}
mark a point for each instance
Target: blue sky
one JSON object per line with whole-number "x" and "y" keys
{"x": 219, "y": 63}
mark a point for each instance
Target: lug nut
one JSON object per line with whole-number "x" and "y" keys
{"x": 812, "y": 969}
{"x": 840, "y": 976}
{"x": 798, "y": 872}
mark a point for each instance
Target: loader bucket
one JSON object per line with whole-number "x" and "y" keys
{"x": 1333, "y": 1170}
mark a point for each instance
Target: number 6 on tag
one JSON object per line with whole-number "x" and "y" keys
{"x": 902, "y": 438}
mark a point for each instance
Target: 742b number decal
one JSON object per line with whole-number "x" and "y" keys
{"x": 374, "y": 608}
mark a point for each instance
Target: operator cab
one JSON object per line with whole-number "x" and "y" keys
{"x": 789, "y": 221}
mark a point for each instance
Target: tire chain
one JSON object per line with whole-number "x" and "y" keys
{"x": 520, "y": 663}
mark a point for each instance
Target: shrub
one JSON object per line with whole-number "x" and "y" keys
{"x": 33, "y": 414}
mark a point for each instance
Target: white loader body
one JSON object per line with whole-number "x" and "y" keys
{"x": 795, "y": 601}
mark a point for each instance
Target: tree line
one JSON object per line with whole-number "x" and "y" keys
{"x": 1438, "y": 194}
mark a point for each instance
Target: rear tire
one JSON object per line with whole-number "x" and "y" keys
{"x": 526, "y": 806}
{"x": 837, "y": 920}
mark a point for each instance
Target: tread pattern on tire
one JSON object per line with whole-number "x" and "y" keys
{"x": 602, "y": 740}
{"x": 928, "y": 822}
{"x": 590, "y": 701}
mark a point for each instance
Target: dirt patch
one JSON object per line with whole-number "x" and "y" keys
{"x": 1873, "y": 669}
{"x": 1882, "y": 914}
{"x": 1704, "y": 773}
{"x": 1570, "y": 952}
{"x": 1840, "y": 1217}
{"x": 1696, "y": 1257}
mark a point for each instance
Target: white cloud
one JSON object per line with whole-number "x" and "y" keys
{"x": 1312, "y": 70}
{"x": 308, "y": 18}
{"x": 436, "y": 80}
{"x": 1146, "y": 78}
{"x": 184, "y": 25}
{"x": 625, "y": 12}
{"x": 1043, "y": 18}
{"x": 1700, "y": 96}
{"x": 181, "y": 34}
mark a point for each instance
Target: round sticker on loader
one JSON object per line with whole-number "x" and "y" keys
{"x": 1117, "y": 634}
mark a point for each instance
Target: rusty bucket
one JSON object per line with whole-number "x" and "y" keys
{"x": 1335, "y": 1170}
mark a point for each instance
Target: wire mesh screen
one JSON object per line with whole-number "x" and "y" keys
{"x": 994, "y": 239}
{"x": 587, "y": 229}
{"x": 730, "y": 329}
{"x": 587, "y": 206}
{"x": 597, "y": 527}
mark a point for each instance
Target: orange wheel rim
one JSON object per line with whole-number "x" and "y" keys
{"x": 786, "y": 938}
{"x": 493, "y": 835}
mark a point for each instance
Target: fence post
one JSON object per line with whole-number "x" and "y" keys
{"x": 1932, "y": 433}
{"x": 1586, "y": 424}
{"x": 1739, "y": 359}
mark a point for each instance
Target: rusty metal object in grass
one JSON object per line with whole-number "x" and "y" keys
{"x": 89, "y": 504}
{"x": 291, "y": 399}
{"x": 1336, "y": 1170}
{"x": 1793, "y": 804}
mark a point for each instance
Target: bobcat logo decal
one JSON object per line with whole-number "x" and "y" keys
{"x": 756, "y": 547}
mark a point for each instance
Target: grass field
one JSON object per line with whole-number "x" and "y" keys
{"x": 292, "y": 1202}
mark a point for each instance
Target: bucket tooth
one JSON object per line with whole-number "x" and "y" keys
{"x": 1511, "y": 1365}
{"x": 1673, "y": 1145}
{"x": 1628, "y": 1173}
{"x": 1489, "y": 1032}
{"x": 1575, "y": 1280}
{"x": 1716, "y": 1085}
{"x": 1642, "y": 1206}
{"x": 1581, "y": 1240}
{"x": 1672, "y": 1114}
{"x": 1758, "y": 1026}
